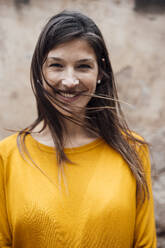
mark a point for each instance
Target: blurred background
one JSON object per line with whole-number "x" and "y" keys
{"x": 134, "y": 31}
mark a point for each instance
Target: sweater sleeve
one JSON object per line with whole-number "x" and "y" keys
{"x": 145, "y": 233}
{"x": 5, "y": 234}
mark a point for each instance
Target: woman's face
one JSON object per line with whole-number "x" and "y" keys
{"x": 72, "y": 69}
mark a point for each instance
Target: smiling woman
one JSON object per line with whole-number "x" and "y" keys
{"x": 71, "y": 68}
{"x": 77, "y": 177}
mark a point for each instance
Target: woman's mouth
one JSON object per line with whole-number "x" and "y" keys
{"x": 69, "y": 97}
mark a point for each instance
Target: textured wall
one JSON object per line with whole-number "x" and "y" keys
{"x": 136, "y": 47}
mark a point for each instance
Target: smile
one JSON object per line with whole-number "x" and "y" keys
{"x": 68, "y": 95}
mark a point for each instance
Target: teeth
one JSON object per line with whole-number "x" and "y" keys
{"x": 67, "y": 95}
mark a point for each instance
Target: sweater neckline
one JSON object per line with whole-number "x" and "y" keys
{"x": 77, "y": 149}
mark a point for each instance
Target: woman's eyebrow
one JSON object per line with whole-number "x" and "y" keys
{"x": 55, "y": 58}
{"x": 90, "y": 60}
{"x": 86, "y": 60}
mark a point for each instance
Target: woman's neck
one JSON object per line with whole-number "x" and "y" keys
{"x": 74, "y": 135}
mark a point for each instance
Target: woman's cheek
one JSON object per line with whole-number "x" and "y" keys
{"x": 51, "y": 77}
{"x": 92, "y": 84}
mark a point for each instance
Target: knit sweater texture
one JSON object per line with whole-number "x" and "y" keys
{"x": 91, "y": 203}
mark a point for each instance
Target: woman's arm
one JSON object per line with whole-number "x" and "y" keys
{"x": 145, "y": 234}
{"x": 5, "y": 234}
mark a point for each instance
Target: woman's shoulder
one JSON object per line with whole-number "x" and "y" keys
{"x": 142, "y": 148}
{"x": 137, "y": 140}
{"x": 8, "y": 144}
{"x": 137, "y": 136}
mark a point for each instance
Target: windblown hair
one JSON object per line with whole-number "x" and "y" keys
{"x": 103, "y": 116}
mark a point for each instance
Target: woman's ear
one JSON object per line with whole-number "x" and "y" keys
{"x": 99, "y": 78}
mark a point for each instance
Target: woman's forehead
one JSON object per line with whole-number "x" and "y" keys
{"x": 78, "y": 47}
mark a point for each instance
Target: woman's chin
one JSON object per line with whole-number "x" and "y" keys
{"x": 70, "y": 110}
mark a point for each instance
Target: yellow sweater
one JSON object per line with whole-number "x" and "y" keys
{"x": 99, "y": 211}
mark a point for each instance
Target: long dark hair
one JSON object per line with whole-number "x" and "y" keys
{"x": 103, "y": 112}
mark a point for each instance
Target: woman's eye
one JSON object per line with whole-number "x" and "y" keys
{"x": 56, "y": 65}
{"x": 84, "y": 66}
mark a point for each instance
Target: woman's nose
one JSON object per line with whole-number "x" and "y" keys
{"x": 70, "y": 82}
{"x": 69, "y": 79}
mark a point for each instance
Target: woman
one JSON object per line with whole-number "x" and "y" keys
{"x": 77, "y": 177}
